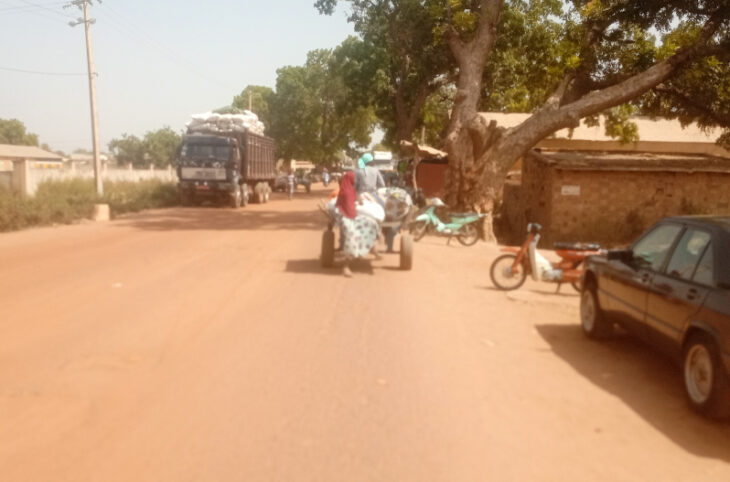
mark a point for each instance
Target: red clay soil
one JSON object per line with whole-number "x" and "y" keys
{"x": 207, "y": 344}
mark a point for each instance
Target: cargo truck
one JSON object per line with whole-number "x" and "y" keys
{"x": 226, "y": 167}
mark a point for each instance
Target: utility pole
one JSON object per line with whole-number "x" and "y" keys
{"x": 84, "y": 6}
{"x": 250, "y": 102}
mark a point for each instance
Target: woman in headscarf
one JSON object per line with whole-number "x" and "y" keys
{"x": 359, "y": 231}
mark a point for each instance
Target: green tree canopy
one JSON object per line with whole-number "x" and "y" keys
{"x": 315, "y": 115}
{"x": 128, "y": 150}
{"x": 158, "y": 148}
{"x": 12, "y": 131}
{"x": 161, "y": 146}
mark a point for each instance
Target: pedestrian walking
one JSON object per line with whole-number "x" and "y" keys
{"x": 291, "y": 183}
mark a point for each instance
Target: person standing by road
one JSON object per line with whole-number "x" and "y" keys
{"x": 368, "y": 178}
{"x": 325, "y": 177}
{"x": 291, "y": 183}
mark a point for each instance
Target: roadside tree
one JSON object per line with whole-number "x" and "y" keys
{"x": 588, "y": 57}
{"x": 161, "y": 146}
{"x": 128, "y": 150}
{"x": 314, "y": 113}
{"x": 12, "y": 131}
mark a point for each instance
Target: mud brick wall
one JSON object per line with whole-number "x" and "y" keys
{"x": 613, "y": 207}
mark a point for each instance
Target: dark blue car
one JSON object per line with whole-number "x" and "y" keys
{"x": 672, "y": 289}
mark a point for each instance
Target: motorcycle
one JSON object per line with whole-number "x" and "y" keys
{"x": 509, "y": 271}
{"x": 459, "y": 225}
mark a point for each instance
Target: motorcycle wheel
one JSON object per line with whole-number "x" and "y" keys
{"x": 418, "y": 230}
{"x": 468, "y": 235}
{"x": 502, "y": 275}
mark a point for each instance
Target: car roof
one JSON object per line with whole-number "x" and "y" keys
{"x": 720, "y": 222}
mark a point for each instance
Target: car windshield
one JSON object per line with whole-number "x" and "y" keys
{"x": 206, "y": 151}
{"x": 651, "y": 250}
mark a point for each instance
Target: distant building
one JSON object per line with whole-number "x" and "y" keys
{"x": 37, "y": 157}
{"x": 17, "y": 161}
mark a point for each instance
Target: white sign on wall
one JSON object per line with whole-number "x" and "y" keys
{"x": 568, "y": 190}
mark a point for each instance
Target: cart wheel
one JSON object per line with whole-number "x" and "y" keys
{"x": 406, "y": 252}
{"x": 328, "y": 249}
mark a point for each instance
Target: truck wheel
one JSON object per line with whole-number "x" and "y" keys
{"x": 406, "y": 252}
{"x": 186, "y": 199}
{"x": 705, "y": 379}
{"x": 328, "y": 249}
{"x": 244, "y": 195}
{"x": 236, "y": 198}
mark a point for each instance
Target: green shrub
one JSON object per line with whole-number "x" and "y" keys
{"x": 63, "y": 202}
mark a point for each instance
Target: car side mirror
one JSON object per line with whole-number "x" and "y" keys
{"x": 626, "y": 256}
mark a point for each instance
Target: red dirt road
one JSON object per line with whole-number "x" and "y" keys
{"x": 206, "y": 344}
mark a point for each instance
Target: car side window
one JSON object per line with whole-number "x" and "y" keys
{"x": 651, "y": 250}
{"x": 704, "y": 273}
{"x": 687, "y": 254}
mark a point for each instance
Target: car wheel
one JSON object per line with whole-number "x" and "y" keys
{"x": 592, "y": 319}
{"x": 705, "y": 379}
{"x": 504, "y": 276}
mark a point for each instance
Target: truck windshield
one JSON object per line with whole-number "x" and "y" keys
{"x": 206, "y": 151}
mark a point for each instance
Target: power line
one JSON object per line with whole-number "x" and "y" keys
{"x": 8, "y": 69}
{"x": 132, "y": 29}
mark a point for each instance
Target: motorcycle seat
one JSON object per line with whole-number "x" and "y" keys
{"x": 577, "y": 246}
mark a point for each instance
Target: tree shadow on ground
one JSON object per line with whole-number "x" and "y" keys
{"x": 220, "y": 218}
{"x": 314, "y": 266}
{"x": 649, "y": 383}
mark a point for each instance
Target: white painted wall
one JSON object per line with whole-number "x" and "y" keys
{"x": 37, "y": 176}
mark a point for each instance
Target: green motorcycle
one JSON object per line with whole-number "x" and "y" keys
{"x": 463, "y": 226}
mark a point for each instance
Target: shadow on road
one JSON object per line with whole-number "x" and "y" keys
{"x": 313, "y": 266}
{"x": 645, "y": 381}
{"x": 221, "y": 218}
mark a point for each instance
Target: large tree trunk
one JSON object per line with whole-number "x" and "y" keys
{"x": 463, "y": 180}
{"x": 481, "y": 154}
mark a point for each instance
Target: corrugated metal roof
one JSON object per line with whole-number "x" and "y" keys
{"x": 635, "y": 161}
{"x": 654, "y": 130}
{"x": 9, "y": 151}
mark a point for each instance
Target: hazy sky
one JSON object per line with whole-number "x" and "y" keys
{"x": 157, "y": 61}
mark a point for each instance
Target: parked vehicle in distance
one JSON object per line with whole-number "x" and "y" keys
{"x": 303, "y": 180}
{"x": 460, "y": 225}
{"x": 280, "y": 183}
{"x": 226, "y": 167}
{"x": 509, "y": 271}
{"x": 672, "y": 289}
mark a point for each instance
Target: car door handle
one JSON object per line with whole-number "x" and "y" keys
{"x": 692, "y": 294}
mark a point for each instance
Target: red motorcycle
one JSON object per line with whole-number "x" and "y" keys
{"x": 509, "y": 271}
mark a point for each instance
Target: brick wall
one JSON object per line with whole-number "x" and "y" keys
{"x": 613, "y": 207}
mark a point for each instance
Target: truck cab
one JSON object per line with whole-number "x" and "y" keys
{"x": 209, "y": 168}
